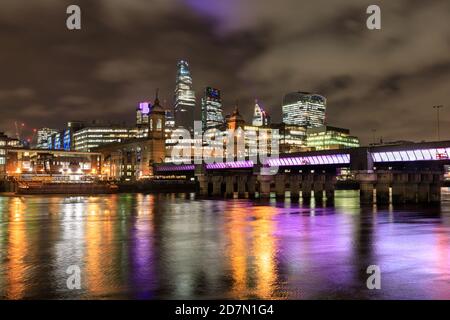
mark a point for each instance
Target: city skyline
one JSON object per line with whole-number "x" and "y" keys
{"x": 224, "y": 155}
{"x": 240, "y": 48}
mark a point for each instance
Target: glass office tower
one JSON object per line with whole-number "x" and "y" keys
{"x": 304, "y": 109}
{"x": 212, "y": 116}
{"x": 184, "y": 98}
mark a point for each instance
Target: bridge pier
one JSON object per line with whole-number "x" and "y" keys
{"x": 241, "y": 181}
{"x": 280, "y": 186}
{"x": 229, "y": 186}
{"x": 294, "y": 186}
{"x": 423, "y": 192}
{"x": 366, "y": 180}
{"x": 412, "y": 188}
{"x": 307, "y": 181}
{"x": 217, "y": 186}
{"x": 383, "y": 181}
{"x": 251, "y": 186}
{"x": 319, "y": 181}
{"x": 330, "y": 183}
{"x": 435, "y": 188}
{"x": 264, "y": 186}
{"x": 203, "y": 184}
{"x": 399, "y": 183}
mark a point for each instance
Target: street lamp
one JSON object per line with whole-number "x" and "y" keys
{"x": 438, "y": 129}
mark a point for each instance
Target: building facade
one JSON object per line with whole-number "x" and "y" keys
{"x": 43, "y": 136}
{"x": 304, "y": 109}
{"x": 142, "y": 112}
{"x": 133, "y": 159}
{"x": 327, "y": 137}
{"x": 212, "y": 112}
{"x": 5, "y": 144}
{"x": 292, "y": 137}
{"x": 184, "y": 105}
{"x": 169, "y": 119}
{"x": 92, "y": 137}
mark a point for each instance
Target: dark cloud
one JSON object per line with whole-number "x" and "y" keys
{"x": 385, "y": 80}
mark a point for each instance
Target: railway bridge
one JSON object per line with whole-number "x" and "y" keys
{"x": 403, "y": 173}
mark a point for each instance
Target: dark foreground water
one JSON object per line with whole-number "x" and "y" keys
{"x": 138, "y": 246}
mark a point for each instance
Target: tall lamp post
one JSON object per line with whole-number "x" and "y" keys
{"x": 438, "y": 124}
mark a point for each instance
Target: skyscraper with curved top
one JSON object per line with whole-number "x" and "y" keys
{"x": 184, "y": 97}
{"x": 304, "y": 109}
{"x": 260, "y": 116}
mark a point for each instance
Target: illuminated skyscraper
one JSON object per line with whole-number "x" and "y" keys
{"x": 212, "y": 116}
{"x": 170, "y": 120}
{"x": 184, "y": 98}
{"x": 43, "y": 135}
{"x": 260, "y": 116}
{"x": 304, "y": 109}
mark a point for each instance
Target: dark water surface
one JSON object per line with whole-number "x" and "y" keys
{"x": 137, "y": 246}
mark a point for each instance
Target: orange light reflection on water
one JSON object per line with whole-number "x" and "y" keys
{"x": 17, "y": 250}
{"x": 255, "y": 277}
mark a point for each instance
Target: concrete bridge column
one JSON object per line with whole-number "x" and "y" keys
{"x": 399, "y": 182}
{"x": 264, "y": 186}
{"x": 366, "y": 186}
{"x": 203, "y": 183}
{"x": 307, "y": 184}
{"x": 294, "y": 185}
{"x": 330, "y": 183}
{"x": 229, "y": 186}
{"x": 319, "y": 182}
{"x": 384, "y": 179}
{"x": 412, "y": 188}
{"x": 280, "y": 185}
{"x": 423, "y": 189}
{"x": 241, "y": 181}
{"x": 217, "y": 185}
{"x": 251, "y": 186}
{"x": 435, "y": 188}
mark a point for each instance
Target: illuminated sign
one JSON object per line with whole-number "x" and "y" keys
{"x": 145, "y": 107}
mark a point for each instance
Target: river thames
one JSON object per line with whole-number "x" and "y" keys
{"x": 173, "y": 246}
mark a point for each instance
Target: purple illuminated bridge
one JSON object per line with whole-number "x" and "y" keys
{"x": 407, "y": 155}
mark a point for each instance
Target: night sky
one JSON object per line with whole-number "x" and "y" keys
{"x": 386, "y": 80}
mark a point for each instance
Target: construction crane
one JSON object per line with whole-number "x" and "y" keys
{"x": 17, "y": 130}
{"x": 20, "y": 130}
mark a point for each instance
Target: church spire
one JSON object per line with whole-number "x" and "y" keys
{"x": 157, "y": 97}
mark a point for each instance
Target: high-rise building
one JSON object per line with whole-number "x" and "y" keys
{"x": 304, "y": 109}
{"x": 260, "y": 116}
{"x": 43, "y": 136}
{"x": 170, "y": 120}
{"x": 212, "y": 116}
{"x": 184, "y": 97}
{"x": 326, "y": 137}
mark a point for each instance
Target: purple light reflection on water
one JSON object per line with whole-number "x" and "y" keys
{"x": 143, "y": 277}
{"x": 170, "y": 246}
